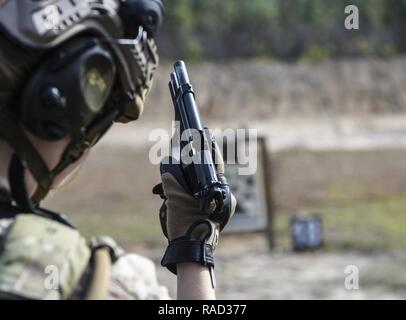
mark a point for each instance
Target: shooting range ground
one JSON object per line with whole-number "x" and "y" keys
{"x": 347, "y": 165}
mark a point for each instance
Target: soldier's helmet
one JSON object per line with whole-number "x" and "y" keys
{"x": 71, "y": 68}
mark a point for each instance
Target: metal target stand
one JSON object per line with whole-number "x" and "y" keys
{"x": 255, "y": 209}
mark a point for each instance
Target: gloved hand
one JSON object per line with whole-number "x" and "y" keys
{"x": 192, "y": 232}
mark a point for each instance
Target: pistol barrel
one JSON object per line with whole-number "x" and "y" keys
{"x": 187, "y": 112}
{"x": 181, "y": 72}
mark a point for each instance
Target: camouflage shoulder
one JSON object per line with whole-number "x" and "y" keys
{"x": 134, "y": 278}
{"x": 40, "y": 258}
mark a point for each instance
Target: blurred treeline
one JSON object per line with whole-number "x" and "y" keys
{"x": 281, "y": 29}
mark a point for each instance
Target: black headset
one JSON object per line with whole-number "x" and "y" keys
{"x": 92, "y": 67}
{"x": 75, "y": 81}
{"x": 68, "y": 90}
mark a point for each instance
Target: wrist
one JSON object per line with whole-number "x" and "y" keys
{"x": 194, "y": 282}
{"x": 185, "y": 251}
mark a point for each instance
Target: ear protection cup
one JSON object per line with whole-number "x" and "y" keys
{"x": 68, "y": 90}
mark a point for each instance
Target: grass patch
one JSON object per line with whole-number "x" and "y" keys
{"x": 355, "y": 221}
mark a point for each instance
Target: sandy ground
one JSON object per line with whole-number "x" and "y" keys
{"x": 252, "y": 90}
{"x": 246, "y": 273}
{"x": 112, "y": 195}
{"x": 337, "y": 136}
{"x": 316, "y": 134}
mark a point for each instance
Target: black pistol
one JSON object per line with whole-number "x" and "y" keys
{"x": 200, "y": 172}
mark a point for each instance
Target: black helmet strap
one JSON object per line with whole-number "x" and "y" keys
{"x": 14, "y": 134}
{"x": 16, "y": 176}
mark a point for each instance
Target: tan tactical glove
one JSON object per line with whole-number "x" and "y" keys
{"x": 192, "y": 232}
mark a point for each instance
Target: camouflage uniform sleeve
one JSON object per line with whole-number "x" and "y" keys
{"x": 30, "y": 244}
{"x": 134, "y": 277}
